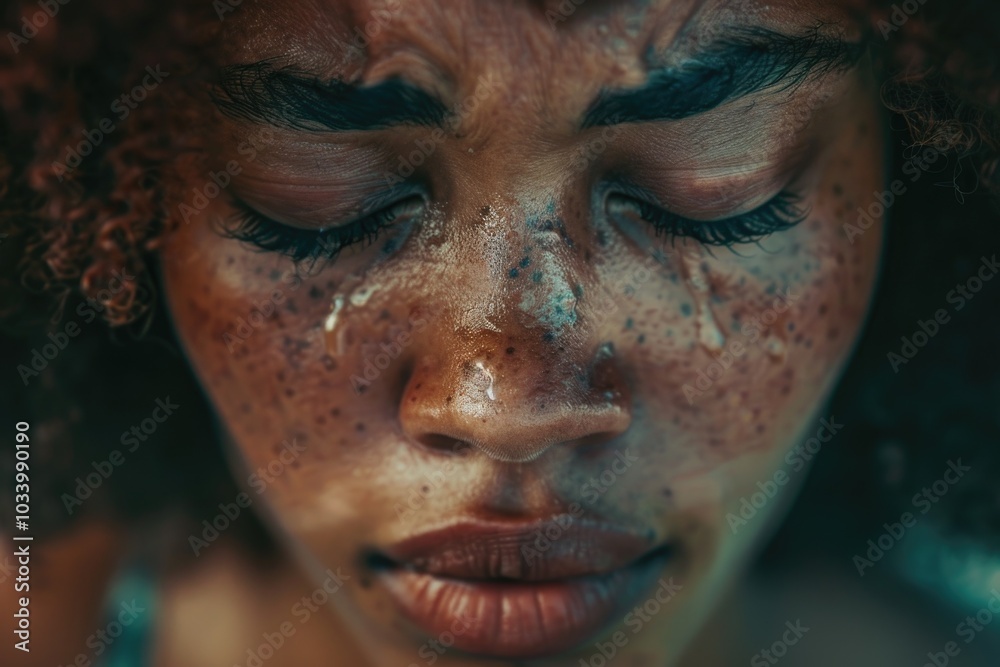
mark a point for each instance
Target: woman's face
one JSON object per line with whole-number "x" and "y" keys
{"x": 600, "y": 291}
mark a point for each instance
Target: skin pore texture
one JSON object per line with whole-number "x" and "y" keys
{"x": 519, "y": 331}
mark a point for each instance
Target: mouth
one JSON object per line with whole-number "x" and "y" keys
{"x": 519, "y": 590}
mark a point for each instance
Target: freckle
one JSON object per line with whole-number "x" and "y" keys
{"x": 424, "y": 489}
{"x": 258, "y": 271}
{"x": 229, "y": 260}
{"x": 838, "y": 189}
{"x": 832, "y": 334}
{"x": 791, "y": 326}
{"x": 760, "y": 428}
{"x": 315, "y": 292}
{"x": 448, "y": 400}
{"x": 510, "y": 350}
{"x": 245, "y": 407}
{"x": 822, "y": 309}
{"x": 291, "y": 307}
{"x": 275, "y": 274}
{"x": 642, "y": 339}
{"x": 281, "y": 376}
{"x": 359, "y": 427}
{"x": 289, "y": 392}
{"x": 321, "y": 420}
{"x": 328, "y": 362}
{"x": 668, "y": 493}
{"x": 686, "y": 309}
{"x": 335, "y": 412}
{"x": 786, "y": 390}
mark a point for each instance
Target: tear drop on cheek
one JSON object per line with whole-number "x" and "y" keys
{"x": 710, "y": 335}
{"x": 332, "y": 326}
{"x": 352, "y": 294}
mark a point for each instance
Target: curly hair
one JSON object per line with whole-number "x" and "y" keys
{"x": 72, "y": 221}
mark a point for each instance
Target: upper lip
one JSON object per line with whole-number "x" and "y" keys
{"x": 560, "y": 547}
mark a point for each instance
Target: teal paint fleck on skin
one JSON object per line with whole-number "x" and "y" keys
{"x": 536, "y": 277}
{"x": 686, "y": 309}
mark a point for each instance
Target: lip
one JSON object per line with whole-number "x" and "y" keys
{"x": 519, "y": 590}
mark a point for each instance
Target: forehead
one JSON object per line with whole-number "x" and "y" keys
{"x": 542, "y": 49}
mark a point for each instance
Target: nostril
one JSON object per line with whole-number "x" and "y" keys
{"x": 442, "y": 443}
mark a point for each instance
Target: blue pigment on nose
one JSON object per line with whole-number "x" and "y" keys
{"x": 513, "y": 273}
{"x": 686, "y": 309}
{"x": 628, "y": 323}
{"x": 536, "y": 277}
{"x": 525, "y": 262}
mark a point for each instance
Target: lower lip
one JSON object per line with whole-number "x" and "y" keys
{"x": 518, "y": 619}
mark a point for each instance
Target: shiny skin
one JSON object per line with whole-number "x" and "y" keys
{"x": 541, "y": 339}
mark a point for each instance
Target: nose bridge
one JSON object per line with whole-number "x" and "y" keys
{"x": 534, "y": 274}
{"x": 515, "y": 371}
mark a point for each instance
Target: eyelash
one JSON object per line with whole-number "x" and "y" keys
{"x": 308, "y": 246}
{"x": 779, "y": 214}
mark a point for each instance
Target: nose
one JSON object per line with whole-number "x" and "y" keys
{"x": 513, "y": 400}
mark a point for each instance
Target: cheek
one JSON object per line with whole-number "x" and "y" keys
{"x": 733, "y": 352}
{"x": 254, "y": 332}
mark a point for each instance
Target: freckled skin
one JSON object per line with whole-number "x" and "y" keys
{"x": 514, "y": 282}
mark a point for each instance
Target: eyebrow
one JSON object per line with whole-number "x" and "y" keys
{"x": 288, "y": 98}
{"x": 746, "y": 61}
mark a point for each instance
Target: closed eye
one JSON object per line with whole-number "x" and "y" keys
{"x": 782, "y": 212}
{"x": 311, "y": 245}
